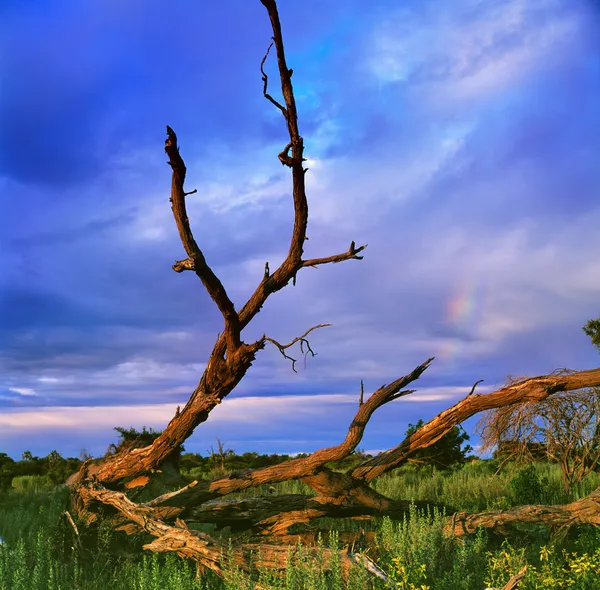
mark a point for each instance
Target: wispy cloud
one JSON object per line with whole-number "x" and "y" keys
{"x": 473, "y": 50}
{"x": 22, "y": 390}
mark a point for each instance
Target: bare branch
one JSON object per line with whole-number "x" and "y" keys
{"x": 249, "y": 513}
{"x": 564, "y": 427}
{"x": 69, "y": 518}
{"x": 185, "y": 264}
{"x": 230, "y": 358}
{"x": 303, "y": 341}
{"x": 351, "y": 253}
{"x": 514, "y": 581}
{"x": 307, "y": 466}
{"x": 293, "y": 262}
{"x": 201, "y": 547}
{"x": 265, "y": 79}
{"x": 474, "y": 386}
{"x": 528, "y": 390}
{"x": 195, "y": 256}
{"x": 310, "y": 469}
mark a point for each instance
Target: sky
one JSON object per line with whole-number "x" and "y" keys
{"x": 458, "y": 139}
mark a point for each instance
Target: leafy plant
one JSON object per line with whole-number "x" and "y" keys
{"x": 527, "y": 486}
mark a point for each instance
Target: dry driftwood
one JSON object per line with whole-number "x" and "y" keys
{"x": 276, "y": 523}
{"x": 514, "y": 581}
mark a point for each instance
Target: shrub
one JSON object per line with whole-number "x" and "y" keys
{"x": 527, "y": 486}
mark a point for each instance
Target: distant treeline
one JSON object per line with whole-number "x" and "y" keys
{"x": 57, "y": 469}
{"x": 451, "y": 450}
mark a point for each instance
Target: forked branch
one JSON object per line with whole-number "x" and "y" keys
{"x": 351, "y": 253}
{"x": 292, "y": 156}
{"x": 230, "y": 358}
{"x": 303, "y": 342}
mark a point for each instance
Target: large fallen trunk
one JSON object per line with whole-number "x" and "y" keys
{"x": 270, "y": 519}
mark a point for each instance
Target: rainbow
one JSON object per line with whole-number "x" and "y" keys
{"x": 461, "y": 313}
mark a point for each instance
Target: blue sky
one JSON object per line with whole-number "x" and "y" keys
{"x": 458, "y": 139}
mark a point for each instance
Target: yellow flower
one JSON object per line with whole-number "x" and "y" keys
{"x": 545, "y": 553}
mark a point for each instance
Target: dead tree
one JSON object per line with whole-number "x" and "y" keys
{"x": 103, "y": 488}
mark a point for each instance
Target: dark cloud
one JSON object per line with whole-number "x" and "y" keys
{"x": 83, "y": 82}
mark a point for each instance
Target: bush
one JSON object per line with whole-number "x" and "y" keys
{"x": 527, "y": 486}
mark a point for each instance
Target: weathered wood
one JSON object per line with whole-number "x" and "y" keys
{"x": 560, "y": 517}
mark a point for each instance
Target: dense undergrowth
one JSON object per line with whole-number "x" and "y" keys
{"x": 41, "y": 551}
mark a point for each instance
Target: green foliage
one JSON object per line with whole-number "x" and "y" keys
{"x": 141, "y": 438}
{"x": 57, "y": 467}
{"x": 474, "y": 487}
{"x": 592, "y": 329}
{"x": 7, "y": 471}
{"x": 40, "y": 553}
{"x": 350, "y": 462}
{"x": 197, "y": 466}
{"x": 527, "y": 486}
{"x": 419, "y": 556}
{"x": 54, "y": 466}
{"x": 446, "y": 452}
{"x": 551, "y": 567}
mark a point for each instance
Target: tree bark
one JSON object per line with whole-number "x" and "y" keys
{"x": 559, "y": 518}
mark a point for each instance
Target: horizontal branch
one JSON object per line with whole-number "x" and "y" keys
{"x": 309, "y": 465}
{"x": 310, "y": 469}
{"x": 247, "y": 513}
{"x": 201, "y": 547}
{"x": 560, "y": 518}
{"x": 351, "y": 253}
{"x": 340, "y": 497}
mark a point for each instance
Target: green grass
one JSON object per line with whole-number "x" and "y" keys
{"x": 475, "y": 487}
{"x": 40, "y": 550}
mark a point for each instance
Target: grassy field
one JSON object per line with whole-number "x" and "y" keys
{"x": 39, "y": 549}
